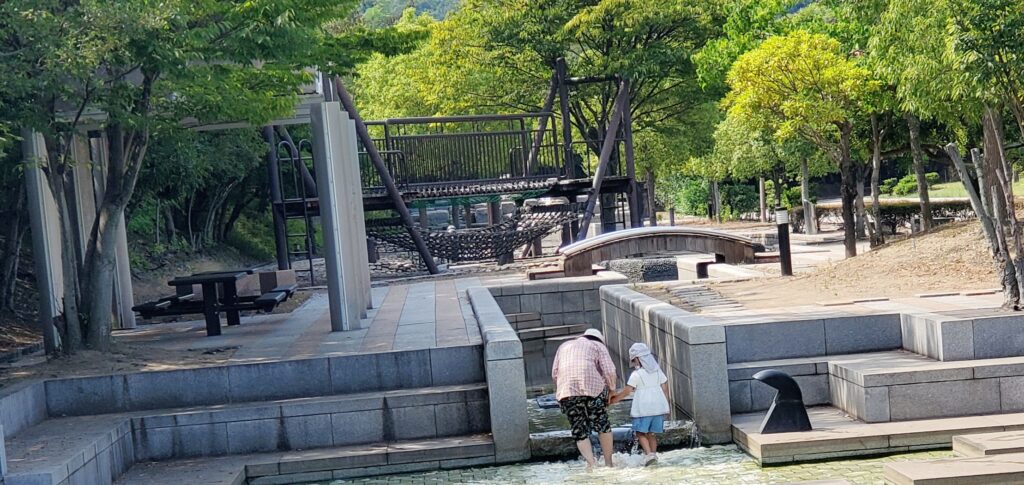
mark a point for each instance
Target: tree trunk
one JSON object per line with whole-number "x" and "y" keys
{"x": 651, "y": 197}
{"x": 917, "y": 154}
{"x": 100, "y": 267}
{"x": 876, "y": 169}
{"x": 14, "y": 233}
{"x": 236, "y": 213}
{"x": 762, "y": 209}
{"x": 861, "y": 212}
{"x": 169, "y": 227}
{"x": 1004, "y": 173}
{"x": 810, "y": 224}
{"x": 848, "y": 189}
{"x": 71, "y": 333}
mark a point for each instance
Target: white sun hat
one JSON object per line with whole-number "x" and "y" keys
{"x": 593, "y": 332}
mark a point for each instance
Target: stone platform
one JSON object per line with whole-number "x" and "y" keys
{"x": 437, "y": 361}
{"x": 836, "y": 434}
{"x": 404, "y": 317}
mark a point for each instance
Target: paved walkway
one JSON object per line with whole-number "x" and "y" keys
{"x": 404, "y": 317}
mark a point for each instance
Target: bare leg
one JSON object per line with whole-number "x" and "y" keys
{"x": 652, "y": 439}
{"x": 587, "y": 451}
{"x": 642, "y": 439}
{"x": 607, "y": 447}
{"x": 645, "y": 442}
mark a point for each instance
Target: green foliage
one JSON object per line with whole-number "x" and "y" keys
{"x": 908, "y": 184}
{"x": 800, "y": 85}
{"x": 385, "y": 13}
{"x": 738, "y": 199}
{"x": 253, "y": 238}
{"x": 887, "y": 186}
{"x": 692, "y": 196}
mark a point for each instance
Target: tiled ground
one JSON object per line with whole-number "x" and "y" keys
{"x": 405, "y": 317}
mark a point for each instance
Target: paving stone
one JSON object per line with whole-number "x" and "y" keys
{"x": 179, "y": 388}
{"x": 989, "y": 443}
{"x": 867, "y": 333}
{"x": 86, "y": 395}
{"x": 998, "y": 337}
{"x": 358, "y": 427}
{"x": 405, "y": 369}
{"x": 355, "y": 373}
{"x": 254, "y": 436}
{"x": 291, "y": 379}
{"x": 942, "y": 399}
{"x": 779, "y": 340}
{"x": 411, "y": 423}
{"x": 456, "y": 365}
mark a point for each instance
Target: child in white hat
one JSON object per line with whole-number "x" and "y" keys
{"x": 650, "y": 403}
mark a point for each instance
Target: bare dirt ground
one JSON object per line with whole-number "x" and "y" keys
{"x": 952, "y": 258}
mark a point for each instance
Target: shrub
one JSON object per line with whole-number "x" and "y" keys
{"x": 908, "y": 184}
{"x": 895, "y": 213}
{"x": 693, "y": 197}
{"x": 887, "y": 185}
{"x": 738, "y": 199}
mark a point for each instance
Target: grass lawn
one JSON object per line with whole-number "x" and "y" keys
{"x": 952, "y": 189}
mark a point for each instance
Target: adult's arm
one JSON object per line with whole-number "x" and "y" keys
{"x": 554, "y": 368}
{"x": 606, "y": 367}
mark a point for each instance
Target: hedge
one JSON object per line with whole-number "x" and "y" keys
{"x": 895, "y": 213}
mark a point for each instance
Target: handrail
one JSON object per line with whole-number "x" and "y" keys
{"x": 626, "y": 234}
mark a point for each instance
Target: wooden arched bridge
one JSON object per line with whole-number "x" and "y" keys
{"x": 579, "y": 258}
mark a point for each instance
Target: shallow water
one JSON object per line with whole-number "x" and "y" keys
{"x": 714, "y": 465}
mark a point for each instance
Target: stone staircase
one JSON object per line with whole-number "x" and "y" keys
{"x": 349, "y": 415}
{"x": 990, "y": 458}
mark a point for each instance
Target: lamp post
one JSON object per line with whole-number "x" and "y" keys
{"x": 785, "y": 257}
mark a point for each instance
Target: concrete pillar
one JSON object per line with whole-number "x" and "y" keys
{"x": 45, "y": 224}
{"x": 424, "y": 217}
{"x": 341, "y": 213}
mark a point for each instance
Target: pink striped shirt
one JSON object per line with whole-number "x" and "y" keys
{"x": 582, "y": 367}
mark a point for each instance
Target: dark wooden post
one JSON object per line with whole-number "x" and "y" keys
{"x": 604, "y": 159}
{"x": 563, "y": 103}
{"x": 276, "y": 208}
{"x": 635, "y": 217}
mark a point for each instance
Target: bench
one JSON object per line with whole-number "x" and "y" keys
{"x": 222, "y": 289}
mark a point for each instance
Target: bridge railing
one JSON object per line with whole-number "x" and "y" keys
{"x": 464, "y": 149}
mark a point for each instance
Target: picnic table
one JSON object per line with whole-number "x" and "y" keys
{"x": 220, "y": 294}
{"x": 212, "y": 305}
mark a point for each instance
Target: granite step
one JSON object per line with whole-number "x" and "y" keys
{"x": 985, "y": 444}
{"x": 994, "y": 469}
{"x": 97, "y": 448}
{"x": 552, "y": 331}
{"x": 907, "y": 386}
{"x": 319, "y": 465}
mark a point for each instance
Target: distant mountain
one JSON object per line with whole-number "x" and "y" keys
{"x": 381, "y": 13}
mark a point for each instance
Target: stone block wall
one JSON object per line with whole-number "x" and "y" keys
{"x": 946, "y": 338}
{"x": 558, "y": 301}
{"x": 246, "y": 383}
{"x": 506, "y": 378}
{"x": 690, "y": 348}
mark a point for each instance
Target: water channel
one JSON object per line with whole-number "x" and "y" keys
{"x": 714, "y": 465}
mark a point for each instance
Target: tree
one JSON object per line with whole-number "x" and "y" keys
{"x": 801, "y": 85}
{"x": 133, "y": 67}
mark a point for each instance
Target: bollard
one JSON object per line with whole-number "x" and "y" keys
{"x": 785, "y": 257}
{"x": 672, "y": 216}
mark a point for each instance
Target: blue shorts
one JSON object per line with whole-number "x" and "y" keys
{"x": 649, "y": 424}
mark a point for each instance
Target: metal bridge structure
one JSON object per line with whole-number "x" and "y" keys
{"x": 461, "y": 162}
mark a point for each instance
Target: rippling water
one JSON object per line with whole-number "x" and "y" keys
{"x": 716, "y": 465}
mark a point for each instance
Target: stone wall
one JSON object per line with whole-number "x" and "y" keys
{"x": 558, "y": 301}
{"x": 691, "y": 349}
{"x": 506, "y": 378}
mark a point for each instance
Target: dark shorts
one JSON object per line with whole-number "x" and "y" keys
{"x": 586, "y": 414}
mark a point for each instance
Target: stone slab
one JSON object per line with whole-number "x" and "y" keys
{"x": 989, "y": 443}
{"x": 836, "y": 434}
{"x": 958, "y": 471}
{"x": 944, "y": 399}
{"x": 776, "y": 340}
